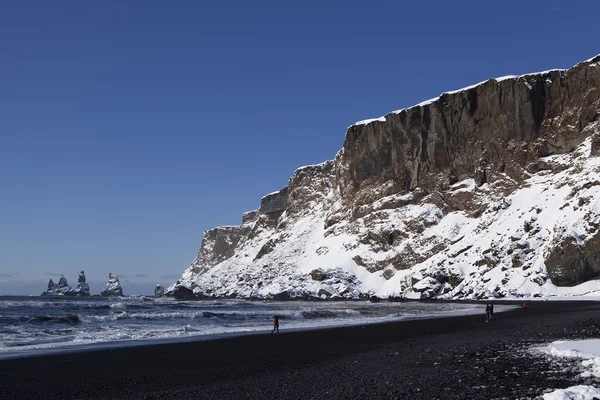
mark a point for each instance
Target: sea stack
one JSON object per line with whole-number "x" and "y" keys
{"x": 113, "y": 286}
{"x": 60, "y": 289}
{"x": 83, "y": 289}
{"x": 51, "y": 288}
{"x": 159, "y": 291}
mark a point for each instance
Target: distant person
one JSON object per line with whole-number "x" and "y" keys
{"x": 275, "y": 325}
{"x": 491, "y": 311}
{"x": 487, "y": 312}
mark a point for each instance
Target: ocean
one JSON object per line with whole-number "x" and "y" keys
{"x": 38, "y": 325}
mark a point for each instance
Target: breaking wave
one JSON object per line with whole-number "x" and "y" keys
{"x": 315, "y": 314}
{"x": 38, "y": 324}
{"x": 41, "y": 319}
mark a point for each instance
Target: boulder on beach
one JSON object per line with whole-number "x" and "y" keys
{"x": 113, "y": 286}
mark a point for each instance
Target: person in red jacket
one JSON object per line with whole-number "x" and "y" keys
{"x": 275, "y": 325}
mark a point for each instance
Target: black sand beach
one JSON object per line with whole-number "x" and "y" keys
{"x": 448, "y": 358}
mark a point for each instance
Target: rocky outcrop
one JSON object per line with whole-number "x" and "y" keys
{"x": 63, "y": 285}
{"x": 61, "y": 288}
{"x": 159, "y": 291}
{"x": 113, "y": 287}
{"x": 496, "y": 127}
{"x": 52, "y": 289}
{"x": 219, "y": 244}
{"x": 181, "y": 291}
{"x": 318, "y": 275}
{"x": 250, "y": 216}
{"x": 572, "y": 261}
{"x": 428, "y": 287}
{"x": 309, "y": 186}
{"x": 274, "y": 202}
{"x": 416, "y": 203}
{"x": 83, "y": 289}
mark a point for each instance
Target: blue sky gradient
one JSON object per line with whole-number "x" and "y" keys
{"x": 127, "y": 128}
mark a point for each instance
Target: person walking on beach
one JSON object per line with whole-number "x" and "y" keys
{"x": 275, "y": 325}
{"x": 487, "y": 312}
{"x": 491, "y": 311}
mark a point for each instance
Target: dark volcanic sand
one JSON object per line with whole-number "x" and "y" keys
{"x": 448, "y": 358}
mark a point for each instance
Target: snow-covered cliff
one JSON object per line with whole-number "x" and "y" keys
{"x": 492, "y": 190}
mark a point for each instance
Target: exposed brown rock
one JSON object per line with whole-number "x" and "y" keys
{"x": 509, "y": 121}
{"x": 274, "y": 202}
{"x": 265, "y": 249}
{"x": 569, "y": 263}
{"x": 219, "y": 244}
{"x": 318, "y": 275}
{"x": 493, "y": 133}
{"x": 595, "y": 144}
{"x": 249, "y": 216}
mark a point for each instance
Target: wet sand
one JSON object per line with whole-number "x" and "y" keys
{"x": 446, "y": 358}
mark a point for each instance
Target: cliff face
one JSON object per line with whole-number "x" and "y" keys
{"x": 498, "y": 126}
{"x": 475, "y": 193}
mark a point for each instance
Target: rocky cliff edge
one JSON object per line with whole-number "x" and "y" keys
{"x": 488, "y": 191}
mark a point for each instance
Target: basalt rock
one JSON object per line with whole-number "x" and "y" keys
{"x": 274, "y": 202}
{"x": 573, "y": 261}
{"x": 453, "y": 161}
{"x": 113, "y": 287}
{"x": 83, "y": 288}
{"x": 219, "y": 244}
{"x": 318, "y": 275}
{"x": 181, "y": 292}
{"x": 502, "y": 121}
{"x": 61, "y": 288}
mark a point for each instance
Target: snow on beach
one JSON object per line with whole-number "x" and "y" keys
{"x": 585, "y": 352}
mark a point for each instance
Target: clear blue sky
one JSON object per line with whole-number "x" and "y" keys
{"x": 127, "y": 128}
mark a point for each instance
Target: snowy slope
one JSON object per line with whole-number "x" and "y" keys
{"x": 493, "y": 253}
{"x": 510, "y": 234}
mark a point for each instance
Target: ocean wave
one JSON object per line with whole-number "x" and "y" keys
{"x": 147, "y": 316}
{"x": 118, "y": 307}
{"x": 45, "y": 323}
{"x": 189, "y": 328}
{"x": 70, "y": 319}
{"x": 245, "y": 316}
{"x": 160, "y": 316}
{"x": 40, "y": 319}
{"x": 100, "y": 318}
{"x": 316, "y": 314}
{"x": 44, "y": 341}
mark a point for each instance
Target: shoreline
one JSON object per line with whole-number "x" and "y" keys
{"x": 69, "y": 348}
{"x": 388, "y": 360}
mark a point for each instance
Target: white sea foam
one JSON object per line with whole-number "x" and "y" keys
{"x": 118, "y": 306}
{"x": 37, "y": 325}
